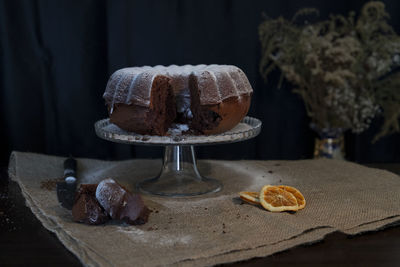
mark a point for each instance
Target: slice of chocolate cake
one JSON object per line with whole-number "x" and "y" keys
{"x": 120, "y": 204}
{"x": 154, "y": 119}
{"x": 86, "y": 208}
{"x": 204, "y": 118}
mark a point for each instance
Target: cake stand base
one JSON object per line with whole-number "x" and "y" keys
{"x": 179, "y": 176}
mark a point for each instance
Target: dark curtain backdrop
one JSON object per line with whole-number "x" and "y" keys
{"x": 56, "y": 57}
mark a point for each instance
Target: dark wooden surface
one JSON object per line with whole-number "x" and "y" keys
{"x": 24, "y": 241}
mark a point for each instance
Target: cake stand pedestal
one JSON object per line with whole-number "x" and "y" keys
{"x": 179, "y": 176}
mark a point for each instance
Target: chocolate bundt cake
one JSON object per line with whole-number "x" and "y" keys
{"x": 208, "y": 99}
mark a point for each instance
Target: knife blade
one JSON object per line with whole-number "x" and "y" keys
{"x": 66, "y": 189}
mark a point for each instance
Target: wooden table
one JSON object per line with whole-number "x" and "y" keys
{"x": 24, "y": 241}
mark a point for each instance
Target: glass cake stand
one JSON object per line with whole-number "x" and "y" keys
{"x": 179, "y": 176}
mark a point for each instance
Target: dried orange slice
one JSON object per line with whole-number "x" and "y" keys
{"x": 301, "y": 201}
{"x": 275, "y": 199}
{"x": 250, "y": 197}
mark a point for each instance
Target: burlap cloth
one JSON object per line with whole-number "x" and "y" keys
{"x": 217, "y": 228}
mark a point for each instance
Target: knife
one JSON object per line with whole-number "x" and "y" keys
{"x": 66, "y": 189}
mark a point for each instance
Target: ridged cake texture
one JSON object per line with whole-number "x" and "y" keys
{"x": 215, "y": 83}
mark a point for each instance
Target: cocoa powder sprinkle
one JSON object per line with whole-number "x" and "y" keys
{"x": 50, "y": 184}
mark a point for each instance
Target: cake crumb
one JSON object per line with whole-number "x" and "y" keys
{"x": 145, "y": 138}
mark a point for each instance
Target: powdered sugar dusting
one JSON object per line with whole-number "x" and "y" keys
{"x": 177, "y": 204}
{"x": 155, "y": 238}
{"x": 138, "y": 89}
{"x": 106, "y": 195}
{"x": 178, "y": 129}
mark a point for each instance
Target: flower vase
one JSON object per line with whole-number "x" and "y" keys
{"x": 329, "y": 144}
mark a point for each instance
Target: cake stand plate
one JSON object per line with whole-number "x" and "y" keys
{"x": 179, "y": 176}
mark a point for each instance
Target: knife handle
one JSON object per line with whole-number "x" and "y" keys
{"x": 70, "y": 167}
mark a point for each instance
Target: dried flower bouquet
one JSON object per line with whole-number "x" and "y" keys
{"x": 344, "y": 68}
